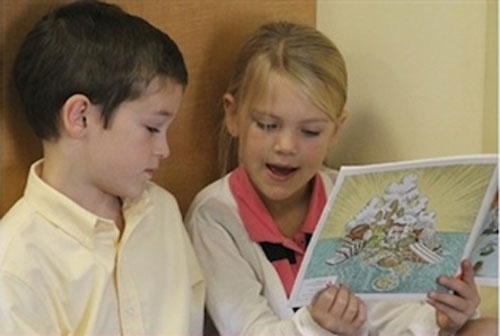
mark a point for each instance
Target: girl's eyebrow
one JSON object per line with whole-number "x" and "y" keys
{"x": 261, "y": 113}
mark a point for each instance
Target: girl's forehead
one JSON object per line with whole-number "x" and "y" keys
{"x": 280, "y": 86}
{"x": 285, "y": 99}
{"x": 265, "y": 89}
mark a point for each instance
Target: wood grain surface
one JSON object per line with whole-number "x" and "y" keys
{"x": 208, "y": 32}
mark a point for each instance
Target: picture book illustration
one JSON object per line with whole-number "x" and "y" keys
{"x": 388, "y": 231}
{"x": 484, "y": 255}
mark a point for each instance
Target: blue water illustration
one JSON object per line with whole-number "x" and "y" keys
{"x": 407, "y": 277}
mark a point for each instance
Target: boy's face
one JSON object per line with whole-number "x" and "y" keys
{"x": 121, "y": 158}
{"x": 283, "y": 141}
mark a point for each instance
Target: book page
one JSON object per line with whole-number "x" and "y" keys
{"x": 388, "y": 231}
{"x": 484, "y": 255}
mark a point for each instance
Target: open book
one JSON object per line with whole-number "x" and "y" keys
{"x": 389, "y": 230}
{"x": 484, "y": 255}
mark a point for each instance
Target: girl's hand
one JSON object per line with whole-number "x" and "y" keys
{"x": 338, "y": 310}
{"x": 453, "y": 310}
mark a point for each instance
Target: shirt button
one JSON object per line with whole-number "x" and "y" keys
{"x": 131, "y": 311}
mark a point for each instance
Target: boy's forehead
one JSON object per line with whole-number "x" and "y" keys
{"x": 158, "y": 84}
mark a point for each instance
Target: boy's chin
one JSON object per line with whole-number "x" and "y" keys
{"x": 133, "y": 193}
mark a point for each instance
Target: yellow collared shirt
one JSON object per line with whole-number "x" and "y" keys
{"x": 64, "y": 270}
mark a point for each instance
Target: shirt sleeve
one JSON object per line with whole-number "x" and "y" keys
{"x": 22, "y": 311}
{"x": 412, "y": 318}
{"x": 235, "y": 299}
{"x": 197, "y": 300}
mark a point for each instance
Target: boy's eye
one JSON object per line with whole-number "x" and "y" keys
{"x": 265, "y": 126}
{"x": 152, "y": 129}
{"x": 311, "y": 133}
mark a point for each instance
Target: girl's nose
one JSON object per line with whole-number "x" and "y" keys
{"x": 285, "y": 142}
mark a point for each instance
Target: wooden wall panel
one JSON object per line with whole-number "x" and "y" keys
{"x": 208, "y": 33}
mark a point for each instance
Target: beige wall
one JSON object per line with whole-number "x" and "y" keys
{"x": 423, "y": 81}
{"x": 423, "y": 77}
{"x": 490, "y": 128}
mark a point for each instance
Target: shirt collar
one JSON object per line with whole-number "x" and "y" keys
{"x": 69, "y": 216}
{"x": 257, "y": 219}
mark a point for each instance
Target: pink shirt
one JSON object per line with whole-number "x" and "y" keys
{"x": 284, "y": 253}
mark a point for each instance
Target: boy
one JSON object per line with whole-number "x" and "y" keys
{"x": 93, "y": 247}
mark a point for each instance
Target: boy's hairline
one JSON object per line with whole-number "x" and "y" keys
{"x": 131, "y": 87}
{"x": 164, "y": 80}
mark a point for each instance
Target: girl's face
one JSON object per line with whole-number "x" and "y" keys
{"x": 283, "y": 139}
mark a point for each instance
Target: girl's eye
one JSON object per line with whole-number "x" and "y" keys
{"x": 152, "y": 130}
{"x": 265, "y": 126}
{"x": 311, "y": 133}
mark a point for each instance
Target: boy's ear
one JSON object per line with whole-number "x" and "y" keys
{"x": 230, "y": 114}
{"x": 339, "y": 126}
{"x": 74, "y": 114}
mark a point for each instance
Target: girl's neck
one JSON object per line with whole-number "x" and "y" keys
{"x": 289, "y": 214}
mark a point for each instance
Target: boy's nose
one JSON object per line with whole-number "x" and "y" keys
{"x": 161, "y": 148}
{"x": 285, "y": 143}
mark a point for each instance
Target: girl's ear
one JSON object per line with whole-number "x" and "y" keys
{"x": 74, "y": 115}
{"x": 230, "y": 114}
{"x": 339, "y": 126}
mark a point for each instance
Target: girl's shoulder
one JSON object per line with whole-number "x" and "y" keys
{"x": 218, "y": 189}
{"x": 328, "y": 176}
{"x": 212, "y": 199}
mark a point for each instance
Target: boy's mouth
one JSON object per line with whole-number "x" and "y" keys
{"x": 150, "y": 172}
{"x": 282, "y": 171}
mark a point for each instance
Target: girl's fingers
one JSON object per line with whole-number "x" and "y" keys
{"x": 340, "y": 303}
{"x": 456, "y": 318}
{"x": 452, "y": 301}
{"x": 361, "y": 315}
{"x": 460, "y": 287}
{"x": 351, "y": 309}
{"x": 338, "y": 310}
{"x": 468, "y": 273}
{"x": 324, "y": 298}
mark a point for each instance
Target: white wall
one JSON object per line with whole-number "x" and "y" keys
{"x": 423, "y": 81}
{"x": 418, "y": 82}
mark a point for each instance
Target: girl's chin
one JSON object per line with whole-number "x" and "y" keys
{"x": 276, "y": 195}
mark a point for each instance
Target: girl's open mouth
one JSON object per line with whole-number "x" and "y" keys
{"x": 281, "y": 170}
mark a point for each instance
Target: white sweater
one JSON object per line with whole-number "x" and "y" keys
{"x": 244, "y": 293}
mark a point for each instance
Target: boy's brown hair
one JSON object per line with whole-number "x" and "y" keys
{"x": 95, "y": 49}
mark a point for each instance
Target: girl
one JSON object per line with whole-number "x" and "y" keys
{"x": 285, "y": 107}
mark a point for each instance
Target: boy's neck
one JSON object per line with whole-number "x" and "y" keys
{"x": 66, "y": 178}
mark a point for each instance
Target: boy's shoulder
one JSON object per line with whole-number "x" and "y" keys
{"x": 159, "y": 193}
{"x": 163, "y": 201}
{"x": 17, "y": 218}
{"x": 22, "y": 233}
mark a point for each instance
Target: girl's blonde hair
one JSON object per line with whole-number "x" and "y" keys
{"x": 301, "y": 53}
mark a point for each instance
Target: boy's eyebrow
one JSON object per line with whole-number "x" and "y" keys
{"x": 164, "y": 113}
